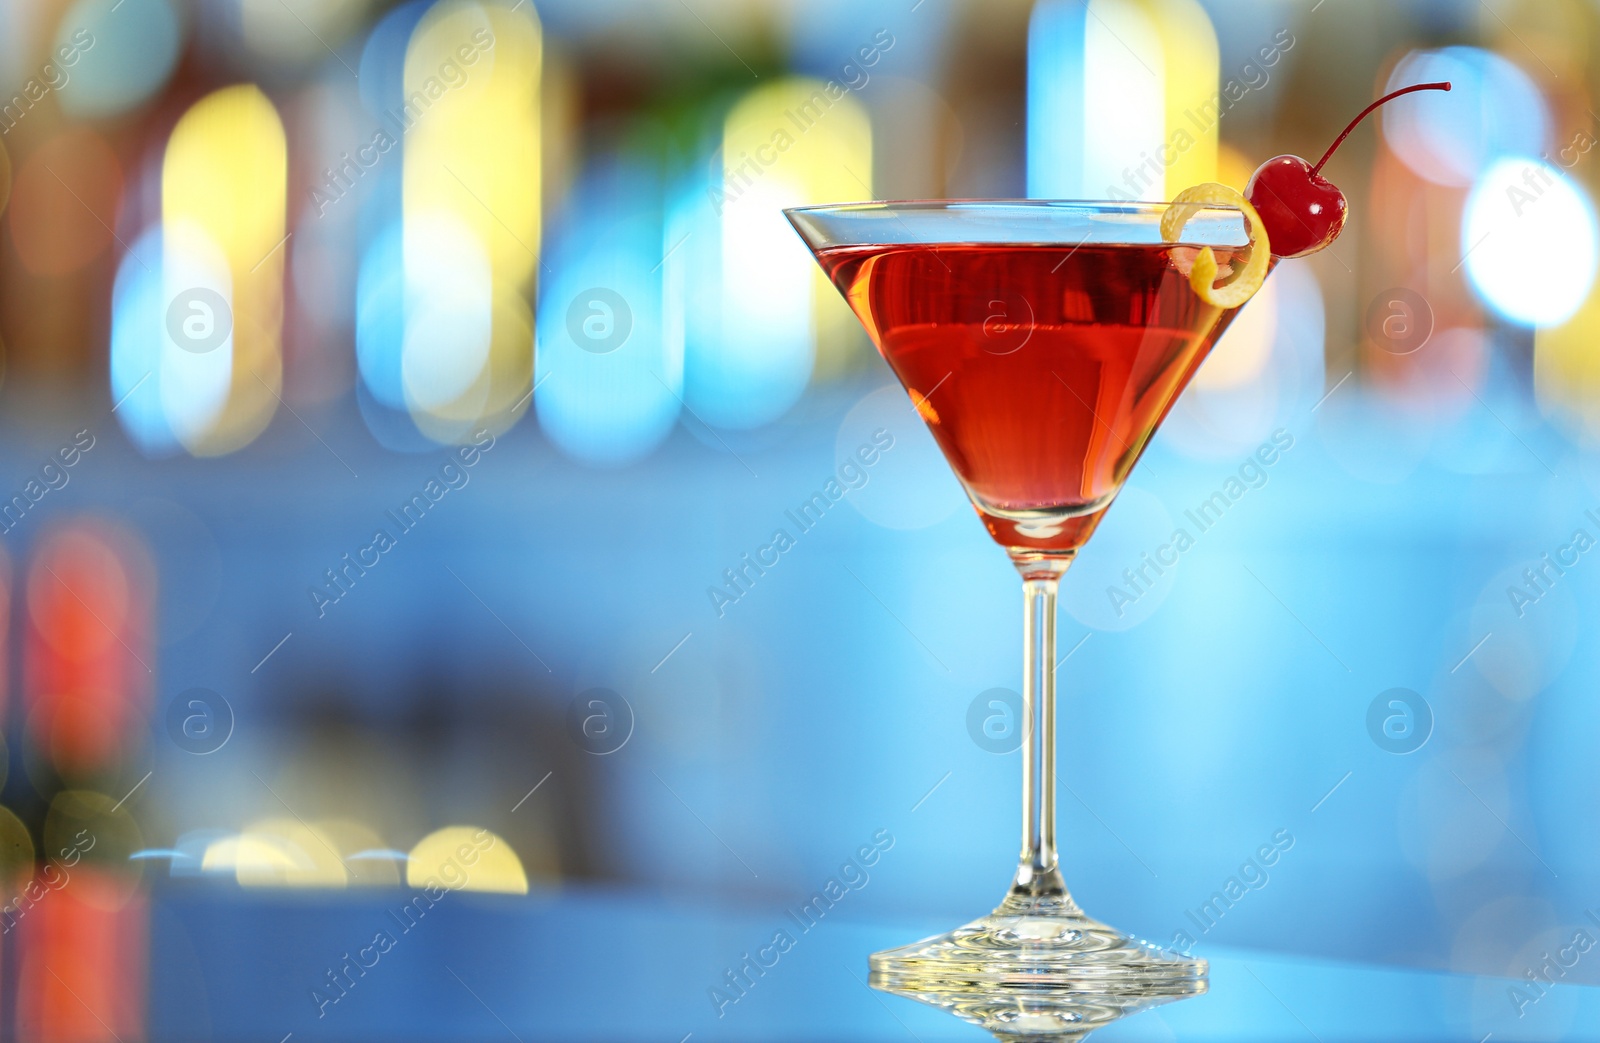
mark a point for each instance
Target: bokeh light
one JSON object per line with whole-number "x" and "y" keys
{"x": 1530, "y": 241}
{"x": 378, "y": 310}
{"x": 16, "y": 851}
{"x": 465, "y": 858}
{"x": 472, "y": 210}
{"x": 85, "y": 688}
{"x": 381, "y": 75}
{"x": 79, "y": 594}
{"x": 123, "y": 52}
{"x": 88, "y": 593}
{"x": 102, "y": 829}
{"x": 67, "y": 194}
{"x": 81, "y": 975}
{"x": 5, "y": 177}
{"x": 1493, "y": 110}
{"x": 789, "y": 143}
{"x": 380, "y": 316}
{"x": 298, "y": 30}
{"x": 1124, "y": 99}
{"x": 1566, "y": 366}
{"x": 609, "y": 381}
{"x": 198, "y": 310}
{"x": 139, "y": 346}
{"x": 283, "y": 852}
{"x": 224, "y": 184}
{"x": 449, "y": 286}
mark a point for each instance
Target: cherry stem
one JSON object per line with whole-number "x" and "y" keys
{"x": 1442, "y": 85}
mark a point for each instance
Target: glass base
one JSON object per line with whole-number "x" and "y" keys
{"x": 1038, "y": 968}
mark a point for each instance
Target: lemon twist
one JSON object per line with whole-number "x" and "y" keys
{"x": 1248, "y": 279}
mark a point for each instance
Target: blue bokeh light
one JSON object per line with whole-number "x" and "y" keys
{"x": 1492, "y": 110}
{"x": 608, "y": 380}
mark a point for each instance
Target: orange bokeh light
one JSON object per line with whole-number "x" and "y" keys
{"x": 78, "y": 592}
{"x": 86, "y": 679}
{"x": 83, "y": 949}
{"x": 66, "y": 196}
{"x": 5, "y": 177}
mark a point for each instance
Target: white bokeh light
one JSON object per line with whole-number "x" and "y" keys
{"x": 1530, "y": 241}
{"x": 448, "y": 315}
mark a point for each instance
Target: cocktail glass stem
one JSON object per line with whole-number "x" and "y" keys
{"x": 1038, "y": 870}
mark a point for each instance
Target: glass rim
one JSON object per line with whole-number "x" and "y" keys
{"x": 1087, "y": 205}
{"x": 1012, "y": 222}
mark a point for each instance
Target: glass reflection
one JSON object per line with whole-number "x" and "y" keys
{"x": 1022, "y": 1013}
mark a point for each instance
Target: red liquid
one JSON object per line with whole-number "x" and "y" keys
{"x": 1042, "y": 371}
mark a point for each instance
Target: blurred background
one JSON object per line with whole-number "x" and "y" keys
{"x": 400, "y": 401}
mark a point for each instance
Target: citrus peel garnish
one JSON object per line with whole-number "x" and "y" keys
{"x": 1248, "y": 279}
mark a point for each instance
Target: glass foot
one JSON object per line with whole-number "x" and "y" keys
{"x": 1038, "y": 968}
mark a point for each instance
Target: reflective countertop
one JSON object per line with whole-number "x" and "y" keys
{"x": 606, "y": 965}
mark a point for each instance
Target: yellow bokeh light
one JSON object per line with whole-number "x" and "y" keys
{"x": 16, "y": 852}
{"x": 91, "y": 822}
{"x": 279, "y": 852}
{"x": 1149, "y": 104}
{"x": 86, "y": 826}
{"x": 810, "y": 137}
{"x": 472, "y": 161}
{"x": 795, "y": 142}
{"x": 1566, "y": 367}
{"x": 1234, "y": 167}
{"x": 224, "y": 181}
{"x": 466, "y": 858}
{"x": 1557, "y": 32}
{"x": 226, "y": 169}
{"x": 227, "y": 854}
{"x": 473, "y": 149}
{"x": 1189, "y": 47}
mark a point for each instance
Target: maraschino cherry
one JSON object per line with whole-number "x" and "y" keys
{"x": 1302, "y": 210}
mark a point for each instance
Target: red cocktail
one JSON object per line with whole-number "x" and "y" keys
{"x": 1042, "y": 370}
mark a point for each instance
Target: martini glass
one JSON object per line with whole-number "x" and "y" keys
{"x": 1042, "y": 343}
